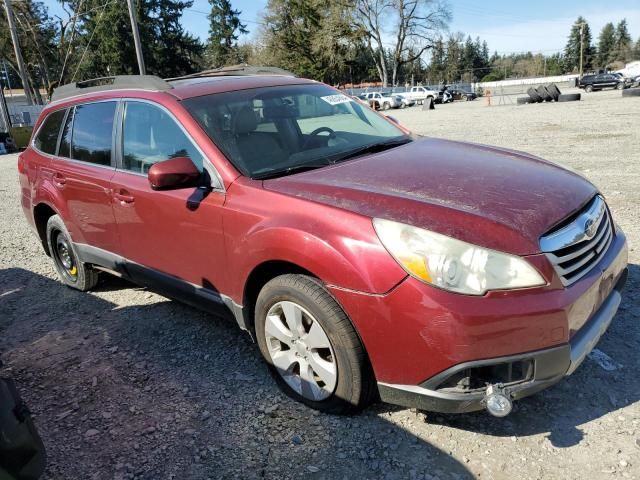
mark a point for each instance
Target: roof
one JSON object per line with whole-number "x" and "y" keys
{"x": 197, "y": 87}
{"x": 223, "y": 79}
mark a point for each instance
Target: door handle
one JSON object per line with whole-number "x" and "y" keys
{"x": 59, "y": 179}
{"x": 123, "y": 196}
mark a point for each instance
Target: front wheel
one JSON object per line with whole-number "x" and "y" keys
{"x": 588, "y": 88}
{"x": 71, "y": 270}
{"x": 312, "y": 349}
{"x": 385, "y": 106}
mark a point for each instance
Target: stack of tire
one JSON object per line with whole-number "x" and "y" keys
{"x": 547, "y": 93}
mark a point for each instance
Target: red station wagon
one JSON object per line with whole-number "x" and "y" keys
{"x": 368, "y": 263}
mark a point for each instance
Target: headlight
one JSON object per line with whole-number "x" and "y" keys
{"x": 451, "y": 264}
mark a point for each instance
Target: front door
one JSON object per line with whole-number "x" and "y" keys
{"x": 172, "y": 236}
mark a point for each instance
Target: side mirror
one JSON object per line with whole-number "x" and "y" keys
{"x": 393, "y": 119}
{"x": 179, "y": 172}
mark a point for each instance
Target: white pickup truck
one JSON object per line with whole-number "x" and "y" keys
{"x": 420, "y": 94}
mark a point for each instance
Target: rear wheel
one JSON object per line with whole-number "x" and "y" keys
{"x": 311, "y": 347}
{"x": 71, "y": 270}
{"x": 385, "y": 106}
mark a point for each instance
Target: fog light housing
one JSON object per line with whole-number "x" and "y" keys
{"x": 497, "y": 401}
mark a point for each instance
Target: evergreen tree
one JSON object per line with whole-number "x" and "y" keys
{"x": 623, "y": 42}
{"x": 606, "y": 45}
{"x": 572, "y": 50}
{"x": 636, "y": 50}
{"x": 224, "y": 29}
{"x": 453, "y": 58}
{"x": 310, "y": 38}
{"x": 107, "y": 46}
{"x": 437, "y": 65}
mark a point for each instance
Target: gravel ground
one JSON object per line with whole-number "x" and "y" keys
{"x": 127, "y": 384}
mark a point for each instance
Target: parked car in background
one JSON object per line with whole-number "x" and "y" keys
{"x": 444, "y": 95}
{"x": 464, "y": 95}
{"x": 601, "y": 81}
{"x": 404, "y": 102}
{"x": 380, "y": 101}
{"x": 420, "y": 94}
{"x": 368, "y": 263}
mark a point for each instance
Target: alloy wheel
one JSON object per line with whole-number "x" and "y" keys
{"x": 301, "y": 351}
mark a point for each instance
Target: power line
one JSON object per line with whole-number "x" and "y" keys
{"x": 101, "y": 14}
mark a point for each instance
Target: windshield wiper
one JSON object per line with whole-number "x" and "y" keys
{"x": 289, "y": 171}
{"x": 373, "y": 148}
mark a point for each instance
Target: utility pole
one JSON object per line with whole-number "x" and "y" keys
{"x": 16, "y": 47}
{"x": 581, "y": 45}
{"x": 5, "y": 124}
{"x": 136, "y": 37}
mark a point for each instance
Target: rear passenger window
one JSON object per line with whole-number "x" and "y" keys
{"x": 150, "y": 135}
{"x": 47, "y": 138}
{"x": 93, "y": 132}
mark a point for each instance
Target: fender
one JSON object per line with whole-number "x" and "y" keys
{"x": 49, "y": 195}
{"x": 341, "y": 250}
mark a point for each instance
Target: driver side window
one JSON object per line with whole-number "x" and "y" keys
{"x": 151, "y": 135}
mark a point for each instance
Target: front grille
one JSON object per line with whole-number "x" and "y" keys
{"x": 576, "y": 247}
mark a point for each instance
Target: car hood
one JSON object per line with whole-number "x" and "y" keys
{"x": 488, "y": 196}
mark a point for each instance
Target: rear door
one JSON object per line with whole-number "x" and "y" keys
{"x": 83, "y": 169}
{"x": 175, "y": 236}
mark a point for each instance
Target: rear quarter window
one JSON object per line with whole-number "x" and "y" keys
{"x": 47, "y": 138}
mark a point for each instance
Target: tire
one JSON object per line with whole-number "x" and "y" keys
{"x": 533, "y": 93}
{"x": 588, "y": 88}
{"x": 354, "y": 385}
{"x": 542, "y": 91}
{"x": 554, "y": 90}
{"x": 71, "y": 270}
{"x": 631, "y": 92}
{"x": 385, "y": 106}
{"x": 620, "y": 86}
{"x": 523, "y": 100}
{"x": 569, "y": 97}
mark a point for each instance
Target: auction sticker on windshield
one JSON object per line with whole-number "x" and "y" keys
{"x": 336, "y": 99}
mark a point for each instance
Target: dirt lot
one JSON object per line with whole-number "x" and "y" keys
{"x": 127, "y": 384}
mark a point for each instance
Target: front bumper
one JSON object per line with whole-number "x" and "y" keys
{"x": 549, "y": 367}
{"x": 416, "y": 334}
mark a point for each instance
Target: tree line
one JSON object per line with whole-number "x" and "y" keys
{"x": 391, "y": 42}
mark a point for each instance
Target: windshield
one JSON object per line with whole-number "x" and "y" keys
{"x": 272, "y": 131}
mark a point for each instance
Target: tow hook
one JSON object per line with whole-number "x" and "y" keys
{"x": 498, "y": 401}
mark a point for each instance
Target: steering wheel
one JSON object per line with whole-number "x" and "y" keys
{"x": 318, "y": 131}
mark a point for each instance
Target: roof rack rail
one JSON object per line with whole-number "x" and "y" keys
{"x": 235, "y": 70}
{"x": 146, "y": 82}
